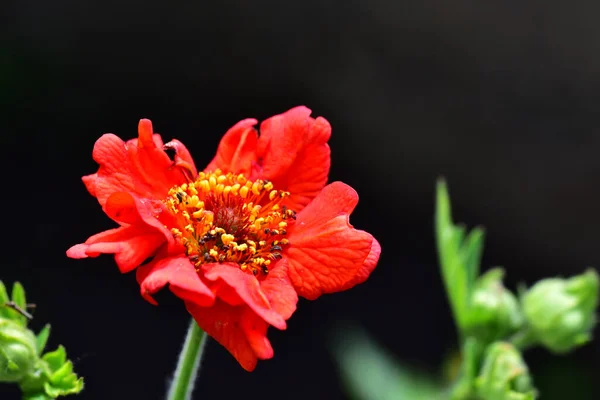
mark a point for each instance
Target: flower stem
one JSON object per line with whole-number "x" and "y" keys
{"x": 188, "y": 365}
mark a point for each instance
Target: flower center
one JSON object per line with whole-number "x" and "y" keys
{"x": 228, "y": 218}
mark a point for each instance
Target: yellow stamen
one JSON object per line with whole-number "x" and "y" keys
{"x": 227, "y": 238}
{"x": 223, "y": 217}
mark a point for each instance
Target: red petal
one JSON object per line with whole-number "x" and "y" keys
{"x": 148, "y": 214}
{"x": 248, "y": 289}
{"x": 237, "y": 150}
{"x": 279, "y": 290}
{"x": 326, "y": 253}
{"x": 131, "y": 246}
{"x": 114, "y": 174}
{"x": 292, "y": 151}
{"x": 237, "y": 329}
{"x": 281, "y": 138}
{"x": 90, "y": 183}
{"x": 368, "y": 266}
{"x": 181, "y": 276}
{"x": 139, "y": 237}
{"x": 139, "y": 166}
{"x": 295, "y": 154}
{"x": 255, "y": 329}
{"x": 124, "y": 208}
{"x": 245, "y": 308}
{"x": 151, "y": 161}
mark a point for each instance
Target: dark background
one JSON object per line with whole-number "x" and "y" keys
{"x": 501, "y": 98}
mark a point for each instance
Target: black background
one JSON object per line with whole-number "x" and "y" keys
{"x": 501, "y": 98}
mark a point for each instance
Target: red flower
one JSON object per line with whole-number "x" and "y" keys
{"x": 239, "y": 241}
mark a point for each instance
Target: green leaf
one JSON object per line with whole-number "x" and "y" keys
{"x": 71, "y": 388}
{"x": 471, "y": 253}
{"x": 40, "y": 378}
{"x": 5, "y": 312}
{"x": 448, "y": 241}
{"x": 37, "y": 396}
{"x": 63, "y": 381}
{"x": 369, "y": 372}
{"x": 3, "y": 294}
{"x": 18, "y": 297}
{"x": 42, "y": 338}
{"x": 459, "y": 257}
{"x": 54, "y": 377}
{"x": 62, "y": 373}
{"x": 56, "y": 358}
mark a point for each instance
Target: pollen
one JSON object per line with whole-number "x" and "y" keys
{"x": 227, "y": 218}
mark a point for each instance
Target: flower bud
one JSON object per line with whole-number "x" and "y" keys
{"x": 561, "y": 312}
{"x": 18, "y": 353}
{"x": 504, "y": 375}
{"x": 494, "y": 311}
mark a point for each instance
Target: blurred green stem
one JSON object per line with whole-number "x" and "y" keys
{"x": 188, "y": 365}
{"x": 471, "y": 357}
{"x": 461, "y": 390}
{"x": 523, "y": 340}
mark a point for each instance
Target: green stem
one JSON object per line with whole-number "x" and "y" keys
{"x": 523, "y": 340}
{"x": 188, "y": 365}
{"x": 460, "y": 391}
{"x": 471, "y": 358}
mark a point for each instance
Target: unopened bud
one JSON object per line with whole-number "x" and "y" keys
{"x": 561, "y": 312}
{"x": 18, "y": 353}
{"x": 494, "y": 311}
{"x": 504, "y": 375}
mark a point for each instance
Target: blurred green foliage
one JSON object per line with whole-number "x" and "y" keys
{"x": 369, "y": 372}
{"x": 494, "y": 328}
{"x": 22, "y": 361}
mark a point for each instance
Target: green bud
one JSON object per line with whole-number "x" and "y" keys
{"x": 561, "y": 312}
{"x": 504, "y": 375}
{"x": 18, "y": 351}
{"x": 494, "y": 312}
